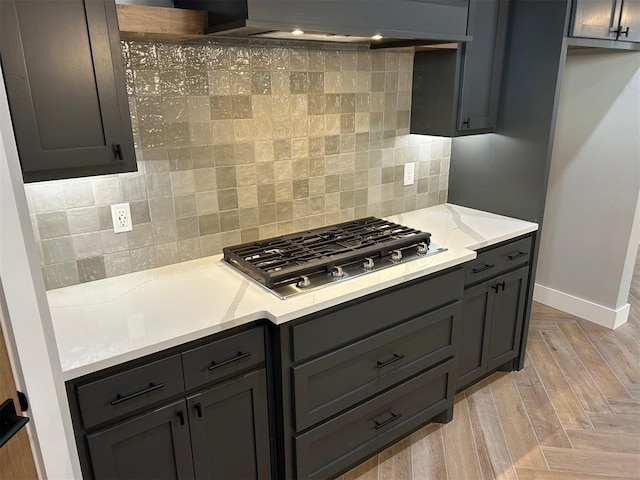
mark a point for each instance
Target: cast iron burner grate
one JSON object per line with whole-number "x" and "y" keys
{"x": 283, "y": 260}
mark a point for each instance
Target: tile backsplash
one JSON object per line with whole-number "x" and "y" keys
{"x": 240, "y": 141}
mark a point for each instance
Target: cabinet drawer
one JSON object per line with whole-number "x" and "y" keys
{"x": 336, "y": 445}
{"x": 222, "y": 358}
{"x": 119, "y": 394}
{"x": 374, "y": 313}
{"x": 514, "y": 254}
{"x": 484, "y": 266}
{"x": 335, "y": 382}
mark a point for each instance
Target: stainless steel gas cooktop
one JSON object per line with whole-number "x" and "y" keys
{"x": 303, "y": 261}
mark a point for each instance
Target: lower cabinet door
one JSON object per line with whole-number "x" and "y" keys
{"x": 155, "y": 446}
{"x": 230, "y": 430}
{"x": 508, "y": 315}
{"x": 476, "y": 320}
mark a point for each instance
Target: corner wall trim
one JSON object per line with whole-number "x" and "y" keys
{"x": 598, "y": 314}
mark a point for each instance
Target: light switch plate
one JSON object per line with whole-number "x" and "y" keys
{"x": 409, "y": 173}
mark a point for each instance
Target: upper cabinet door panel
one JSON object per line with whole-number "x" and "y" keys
{"x": 630, "y": 19}
{"x": 596, "y": 18}
{"x": 62, "y": 65}
{"x": 482, "y": 65}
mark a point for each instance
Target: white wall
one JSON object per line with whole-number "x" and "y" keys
{"x": 31, "y": 339}
{"x": 590, "y": 235}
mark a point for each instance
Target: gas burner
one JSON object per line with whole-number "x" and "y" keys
{"x": 302, "y": 261}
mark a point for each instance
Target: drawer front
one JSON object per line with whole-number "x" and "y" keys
{"x": 345, "y": 325}
{"x": 119, "y": 394}
{"x": 484, "y": 266}
{"x": 222, "y": 358}
{"x": 514, "y": 254}
{"x": 336, "y": 445}
{"x": 335, "y": 382}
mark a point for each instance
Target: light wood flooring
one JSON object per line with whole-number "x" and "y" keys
{"x": 573, "y": 412}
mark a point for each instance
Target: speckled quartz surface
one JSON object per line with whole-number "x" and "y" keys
{"x": 111, "y": 321}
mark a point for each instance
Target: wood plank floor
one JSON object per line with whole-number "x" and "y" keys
{"x": 573, "y": 412}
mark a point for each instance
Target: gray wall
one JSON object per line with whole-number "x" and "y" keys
{"x": 589, "y": 243}
{"x": 240, "y": 141}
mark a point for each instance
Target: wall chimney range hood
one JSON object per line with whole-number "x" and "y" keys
{"x": 378, "y": 23}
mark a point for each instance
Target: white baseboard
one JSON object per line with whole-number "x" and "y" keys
{"x": 605, "y": 316}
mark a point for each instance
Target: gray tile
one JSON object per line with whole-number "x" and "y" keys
{"x": 189, "y": 249}
{"x": 57, "y": 250}
{"x": 284, "y": 211}
{"x": 210, "y": 245}
{"x": 140, "y": 236}
{"x": 167, "y": 254}
{"x": 267, "y": 213}
{"x": 209, "y": 224}
{"x": 187, "y": 228}
{"x": 299, "y": 82}
{"x": 180, "y": 158}
{"x": 164, "y": 232}
{"x": 185, "y": 205}
{"x": 244, "y": 153}
{"x": 133, "y": 187}
{"x": 142, "y": 259}
{"x": 174, "y": 109}
{"x": 177, "y": 134}
{"x": 140, "y": 212}
{"x": 226, "y": 177}
{"x": 52, "y": 224}
{"x": 241, "y": 106}
{"x": 105, "y": 222}
{"x": 114, "y": 242}
{"x": 221, "y": 107}
{"x": 261, "y": 83}
{"x": 249, "y": 234}
{"x": 91, "y": 269}
{"x": 83, "y": 220}
{"x": 204, "y": 179}
{"x": 266, "y": 193}
{"x": 203, "y": 156}
{"x": 228, "y": 199}
{"x": 206, "y": 202}
{"x": 60, "y": 275}
{"x": 182, "y": 183}
{"x": 158, "y": 185}
{"x": 106, "y": 190}
{"x": 117, "y": 263}
{"x": 161, "y": 209}
{"x": 300, "y": 188}
{"x": 229, "y": 220}
{"x": 46, "y": 196}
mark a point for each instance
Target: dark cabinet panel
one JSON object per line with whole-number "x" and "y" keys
{"x": 472, "y": 351}
{"x": 230, "y": 430}
{"x": 338, "y": 380}
{"x": 456, "y": 92}
{"x": 607, "y": 19}
{"x": 596, "y": 18}
{"x": 152, "y": 446}
{"x": 507, "y": 316}
{"x": 65, "y": 83}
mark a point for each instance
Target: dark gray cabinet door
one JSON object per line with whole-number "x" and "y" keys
{"x": 482, "y": 65}
{"x": 476, "y": 320}
{"x": 630, "y": 21}
{"x": 152, "y": 446}
{"x": 230, "y": 430}
{"x": 596, "y": 18}
{"x": 63, "y": 70}
{"x": 507, "y": 317}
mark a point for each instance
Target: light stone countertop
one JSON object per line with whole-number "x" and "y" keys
{"x": 103, "y": 323}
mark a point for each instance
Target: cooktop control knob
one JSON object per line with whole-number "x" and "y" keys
{"x": 337, "y": 272}
{"x": 368, "y": 264}
{"x": 396, "y": 255}
{"x": 422, "y": 248}
{"x": 304, "y": 282}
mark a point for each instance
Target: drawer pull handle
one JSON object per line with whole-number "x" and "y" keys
{"x": 513, "y": 256}
{"x": 482, "y": 269}
{"x": 239, "y": 356}
{"x": 181, "y": 416}
{"x": 198, "y": 408}
{"x": 151, "y": 388}
{"x": 395, "y": 358}
{"x": 498, "y": 286}
{"x": 394, "y": 417}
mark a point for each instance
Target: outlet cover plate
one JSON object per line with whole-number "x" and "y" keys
{"x": 409, "y": 173}
{"x": 121, "y": 217}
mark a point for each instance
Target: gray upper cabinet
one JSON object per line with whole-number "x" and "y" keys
{"x": 456, "y": 91}
{"x": 63, "y": 71}
{"x": 607, "y": 19}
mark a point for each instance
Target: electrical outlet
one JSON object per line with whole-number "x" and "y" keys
{"x": 409, "y": 173}
{"x": 121, "y": 216}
